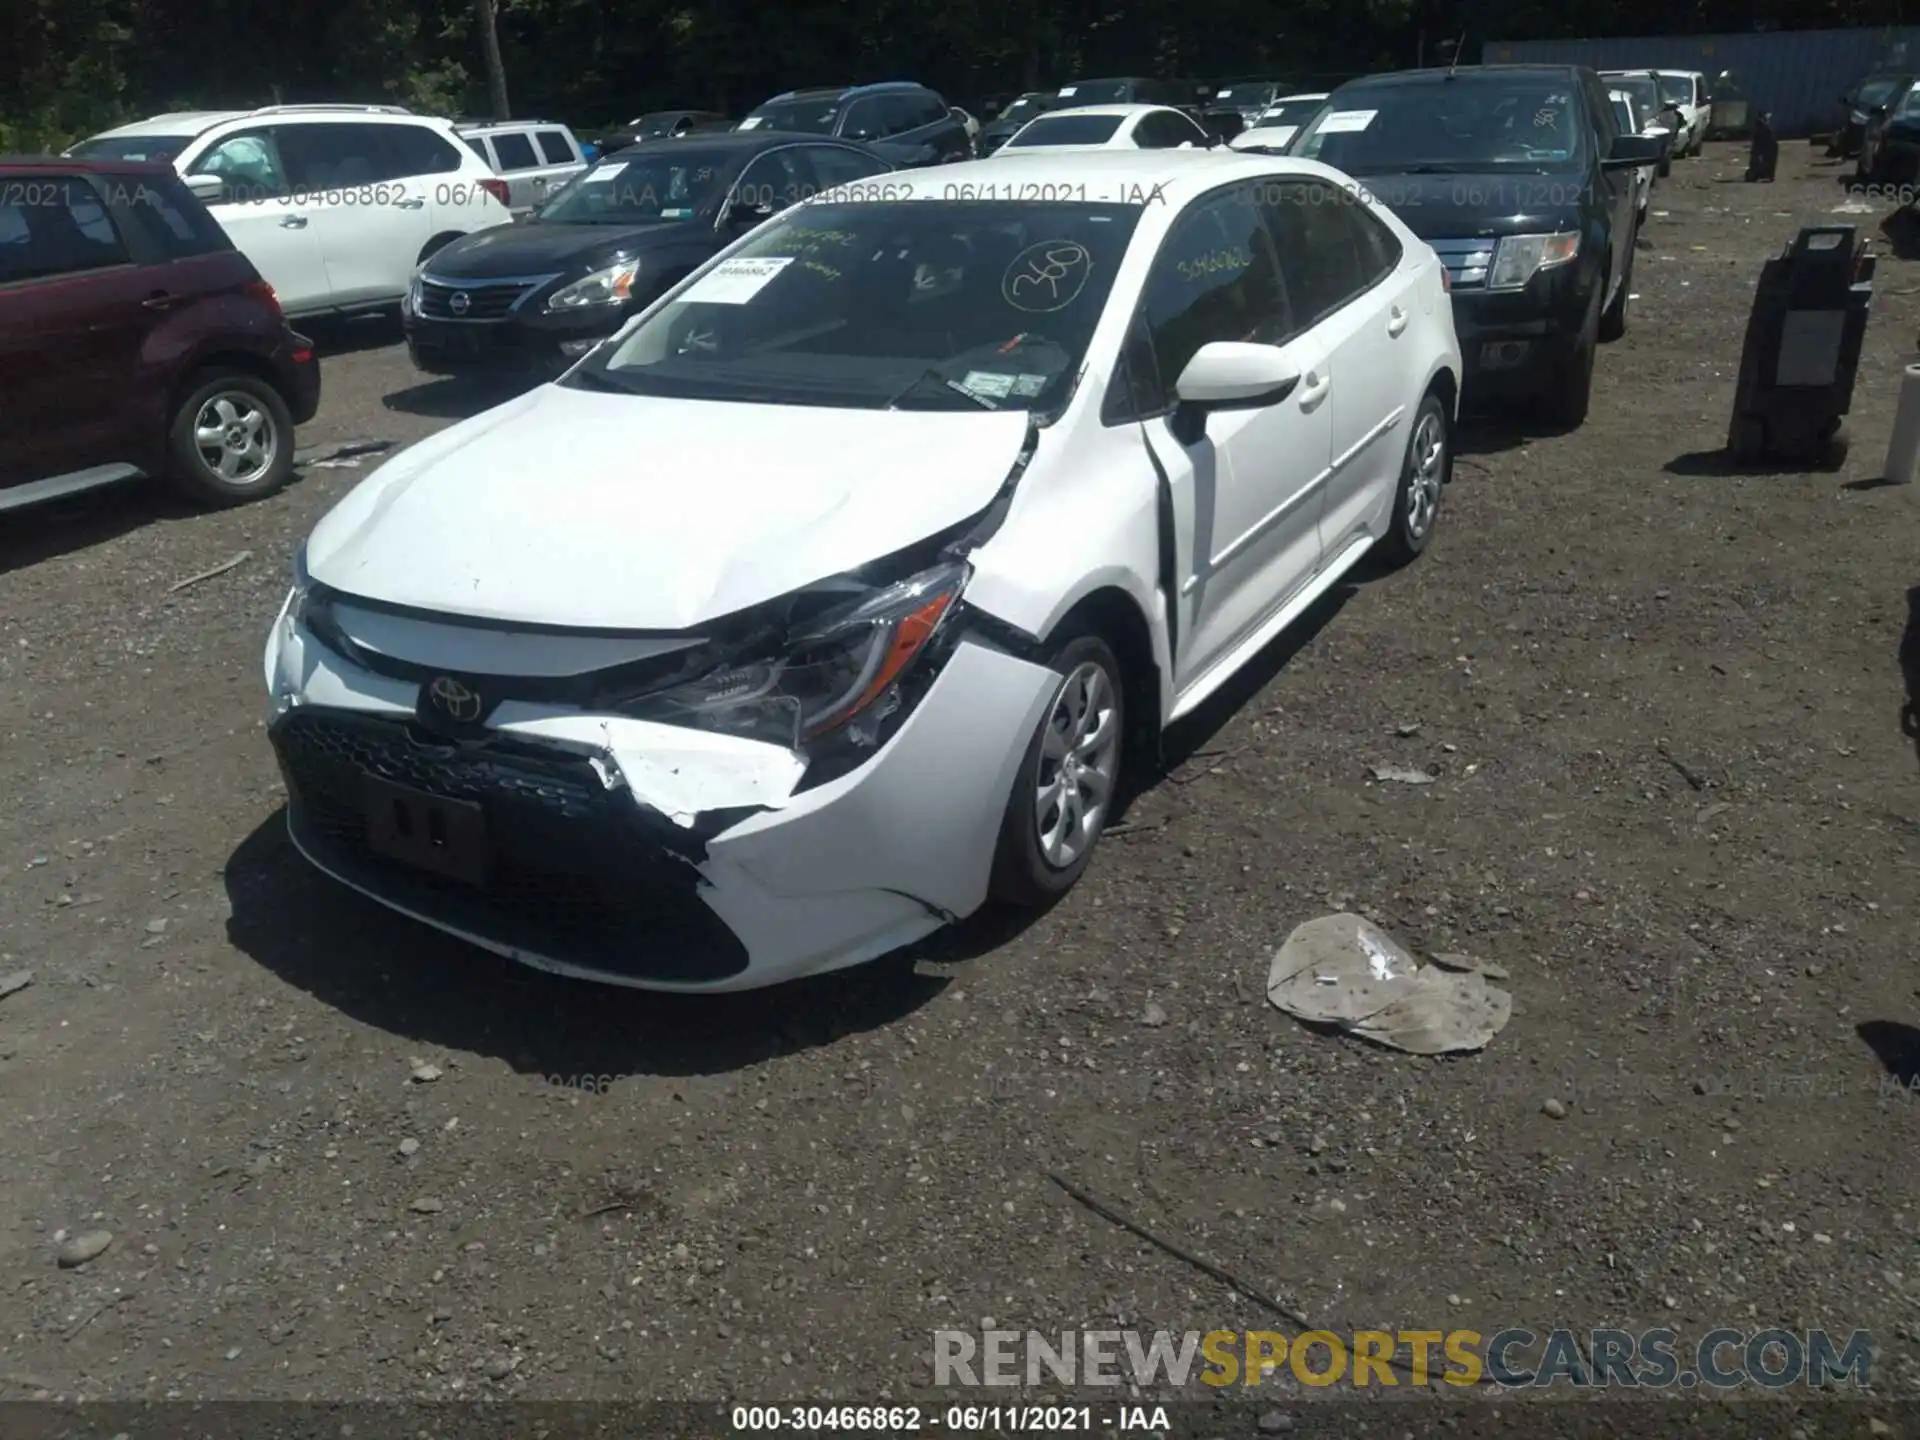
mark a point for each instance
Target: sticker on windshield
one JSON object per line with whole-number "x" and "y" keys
{"x": 1342, "y": 121}
{"x": 752, "y": 122}
{"x": 988, "y": 384}
{"x": 681, "y": 213}
{"x": 735, "y": 282}
{"x": 606, "y": 172}
{"x": 1067, "y": 90}
{"x": 1047, "y": 277}
{"x": 1027, "y": 386}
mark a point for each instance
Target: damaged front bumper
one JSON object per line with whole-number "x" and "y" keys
{"x": 645, "y": 854}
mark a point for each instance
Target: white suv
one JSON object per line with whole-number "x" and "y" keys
{"x": 535, "y": 157}
{"x": 335, "y": 204}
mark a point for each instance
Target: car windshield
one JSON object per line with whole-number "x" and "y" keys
{"x": 1909, "y": 103}
{"x": 1098, "y": 92}
{"x": 1876, "y": 92}
{"x": 808, "y": 117}
{"x": 1640, "y": 90}
{"x": 1676, "y": 89}
{"x": 917, "y": 304}
{"x": 158, "y": 148}
{"x": 1025, "y": 109}
{"x": 1287, "y": 112}
{"x": 655, "y": 127}
{"x": 1067, "y": 130}
{"x": 635, "y": 187}
{"x": 1464, "y": 123}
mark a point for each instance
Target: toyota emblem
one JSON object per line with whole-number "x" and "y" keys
{"x": 458, "y": 702}
{"x": 459, "y": 303}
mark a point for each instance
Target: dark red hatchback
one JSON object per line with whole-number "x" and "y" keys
{"x": 136, "y": 341}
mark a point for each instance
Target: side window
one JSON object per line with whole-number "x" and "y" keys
{"x": 56, "y": 225}
{"x": 479, "y": 147}
{"x": 515, "y": 150}
{"x": 773, "y": 181}
{"x": 555, "y": 148}
{"x": 333, "y": 157}
{"x": 248, "y": 164}
{"x": 416, "y": 150}
{"x": 1699, "y": 90}
{"x": 899, "y": 114}
{"x": 1380, "y": 248}
{"x": 1319, "y": 245}
{"x": 169, "y": 219}
{"x": 864, "y": 120}
{"x": 928, "y": 109}
{"x": 1215, "y": 278}
{"x": 836, "y": 165}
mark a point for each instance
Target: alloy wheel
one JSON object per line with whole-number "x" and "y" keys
{"x": 1429, "y": 474}
{"x": 235, "y": 437}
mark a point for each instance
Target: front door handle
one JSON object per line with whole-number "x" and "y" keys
{"x": 1314, "y": 389}
{"x": 159, "y": 300}
{"x": 414, "y": 204}
{"x": 1396, "y": 320}
{"x": 293, "y": 222}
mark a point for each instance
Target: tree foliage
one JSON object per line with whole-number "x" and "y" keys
{"x": 71, "y": 67}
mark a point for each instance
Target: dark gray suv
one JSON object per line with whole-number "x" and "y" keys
{"x": 906, "y": 123}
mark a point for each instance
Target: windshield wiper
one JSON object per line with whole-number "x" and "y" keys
{"x": 600, "y": 380}
{"x": 931, "y": 374}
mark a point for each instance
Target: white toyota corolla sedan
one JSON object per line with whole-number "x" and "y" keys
{"x": 844, "y": 587}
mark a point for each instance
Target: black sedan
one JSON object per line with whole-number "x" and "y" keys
{"x": 536, "y": 295}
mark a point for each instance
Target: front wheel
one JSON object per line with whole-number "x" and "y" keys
{"x": 1570, "y": 392}
{"x": 231, "y": 440}
{"x": 1423, "y": 478}
{"x": 1064, "y": 789}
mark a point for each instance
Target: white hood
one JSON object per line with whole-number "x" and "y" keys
{"x": 575, "y": 508}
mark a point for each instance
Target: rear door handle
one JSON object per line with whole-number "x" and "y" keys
{"x": 293, "y": 222}
{"x": 414, "y": 204}
{"x": 1314, "y": 390}
{"x": 1396, "y": 320}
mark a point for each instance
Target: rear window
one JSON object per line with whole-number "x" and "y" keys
{"x": 160, "y": 149}
{"x": 555, "y": 149}
{"x": 1676, "y": 89}
{"x": 1068, "y": 130}
{"x": 55, "y": 225}
{"x": 168, "y": 217}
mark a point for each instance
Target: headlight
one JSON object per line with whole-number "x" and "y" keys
{"x": 1859, "y": 117}
{"x": 838, "y": 673}
{"x": 1518, "y": 258}
{"x": 611, "y": 286}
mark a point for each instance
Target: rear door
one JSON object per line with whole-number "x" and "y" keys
{"x": 258, "y": 210}
{"x": 371, "y": 223}
{"x": 1343, "y": 275}
{"x": 72, "y": 328}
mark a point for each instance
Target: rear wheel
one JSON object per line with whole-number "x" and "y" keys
{"x": 231, "y": 440}
{"x": 1423, "y": 477}
{"x": 1064, "y": 789}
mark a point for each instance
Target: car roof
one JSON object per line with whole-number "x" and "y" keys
{"x": 1303, "y": 95}
{"x": 1701, "y": 73}
{"x": 1114, "y": 80}
{"x": 1170, "y": 176}
{"x": 732, "y": 140}
{"x": 159, "y": 170}
{"x": 834, "y": 92}
{"x": 1440, "y": 75}
{"x": 177, "y": 122}
{"x": 1122, "y": 111}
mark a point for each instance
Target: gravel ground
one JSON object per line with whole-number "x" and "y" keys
{"x": 1671, "y": 797}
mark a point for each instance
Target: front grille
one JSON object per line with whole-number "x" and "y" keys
{"x": 574, "y": 871}
{"x": 486, "y": 299}
{"x": 1467, "y": 261}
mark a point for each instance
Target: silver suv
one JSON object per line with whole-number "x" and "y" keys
{"x": 534, "y": 157}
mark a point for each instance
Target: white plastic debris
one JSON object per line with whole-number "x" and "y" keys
{"x": 1344, "y": 971}
{"x": 1401, "y": 775}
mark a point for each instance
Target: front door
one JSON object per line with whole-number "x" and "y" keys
{"x": 1245, "y": 488}
{"x": 266, "y": 222}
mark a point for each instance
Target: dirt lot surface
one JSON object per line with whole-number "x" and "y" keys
{"x": 1671, "y": 797}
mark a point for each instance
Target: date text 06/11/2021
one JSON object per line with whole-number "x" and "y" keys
{"x": 946, "y": 1420}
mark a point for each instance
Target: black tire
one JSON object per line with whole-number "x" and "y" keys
{"x": 233, "y": 398}
{"x": 1613, "y": 320}
{"x": 1570, "y": 394}
{"x": 1423, "y": 478}
{"x": 1023, "y": 875}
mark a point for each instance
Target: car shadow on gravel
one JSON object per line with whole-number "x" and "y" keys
{"x": 410, "y": 980}
{"x": 334, "y": 336}
{"x": 61, "y": 527}
{"x": 454, "y": 398}
{"x": 1896, "y": 1047}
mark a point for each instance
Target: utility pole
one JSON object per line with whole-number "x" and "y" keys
{"x": 483, "y": 19}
